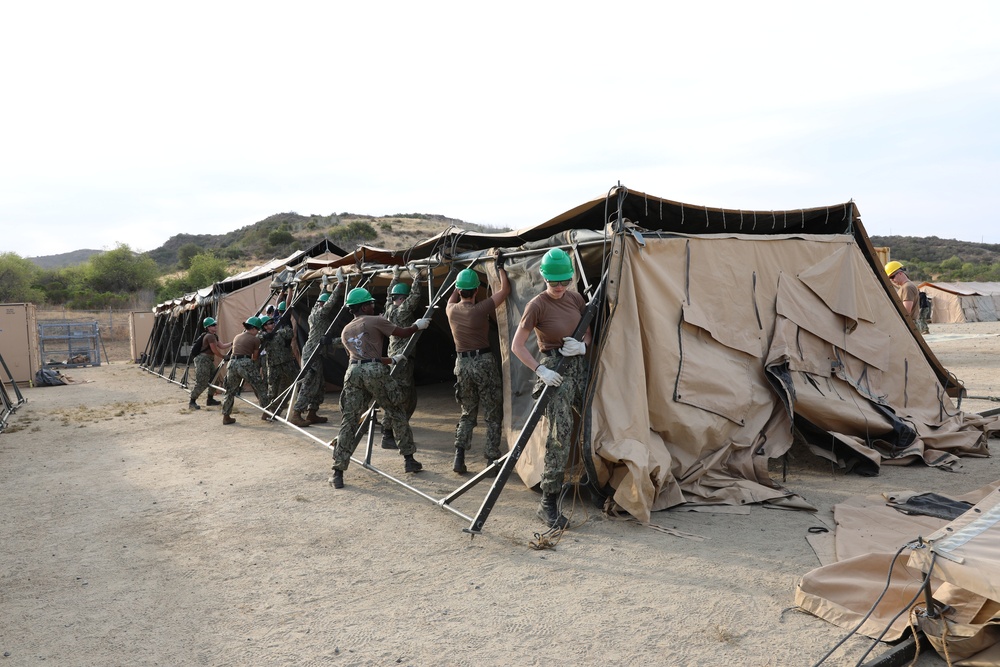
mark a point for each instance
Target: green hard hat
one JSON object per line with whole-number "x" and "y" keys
{"x": 556, "y": 265}
{"x": 253, "y": 321}
{"x": 467, "y": 279}
{"x": 401, "y": 288}
{"x": 281, "y": 307}
{"x": 264, "y": 319}
{"x": 207, "y": 322}
{"x": 324, "y": 297}
{"x": 358, "y": 296}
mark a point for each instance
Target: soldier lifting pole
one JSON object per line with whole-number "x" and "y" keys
{"x": 510, "y": 460}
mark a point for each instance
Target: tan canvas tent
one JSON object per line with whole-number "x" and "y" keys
{"x": 723, "y": 336}
{"x": 953, "y": 303}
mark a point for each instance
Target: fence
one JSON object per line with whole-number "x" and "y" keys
{"x": 112, "y": 325}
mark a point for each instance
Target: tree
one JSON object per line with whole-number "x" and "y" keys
{"x": 279, "y": 237}
{"x": 17, "y": 277}
{"x": 185, "y": 253}
{"x": 121, "y": 271}
{"x": 205, "y": 270}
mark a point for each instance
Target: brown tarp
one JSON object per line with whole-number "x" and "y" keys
{"x": 965, "y": 574}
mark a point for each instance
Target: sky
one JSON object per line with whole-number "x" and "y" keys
{"x": 129, "y": 122}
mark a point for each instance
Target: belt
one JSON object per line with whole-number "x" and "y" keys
{"x": 551, "y": 353}
{"x": 475, "y": 353}
{"x": 365, "y": 361}
{"x": 242, "y": 356}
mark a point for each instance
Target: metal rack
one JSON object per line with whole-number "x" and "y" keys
{"x": 69, "y": 344}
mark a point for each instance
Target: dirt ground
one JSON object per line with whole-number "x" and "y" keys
{"x": 138, "y": 532}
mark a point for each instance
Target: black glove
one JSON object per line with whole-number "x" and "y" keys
{"x": 326, "y": 339}
{"x": 266, "y": 337}
{"x": 500, "y": 260}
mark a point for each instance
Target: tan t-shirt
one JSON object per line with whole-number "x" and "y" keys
{"x": 206, "y": 343}
{"x": 908, "y": 291}
{"x": 470, "y": 324}
{"x": 553, "y": 319}
{"x": 245, "y": 344}
{"x": 364, "y": 336}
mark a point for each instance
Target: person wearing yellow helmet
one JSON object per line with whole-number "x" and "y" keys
{"x": 478, "y": 383}
{"x": 243, "y": 366}
{"x": 367, "y": 379}
{"x": 312, "y": 383}
{"x": 205, "y": 349}
{"x": 553, "y": 317}
{"x": 401, "y": 308}
{"x": 906, "y": 289}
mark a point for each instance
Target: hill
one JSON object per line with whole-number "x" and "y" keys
{"x": 63, "y": 260}
{"x": 944, "y": 260}
{"x": 283, "y": 233}
{"x": 931, "y": 249}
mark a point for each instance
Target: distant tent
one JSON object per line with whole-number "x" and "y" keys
{"x": 230, "y": 301}
{"x": 963, "y": 302}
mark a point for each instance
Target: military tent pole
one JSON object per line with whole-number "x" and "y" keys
{"x": 13, "y": 383}
{"x": 180, "y": 344}
{"x": 159, "y": 325}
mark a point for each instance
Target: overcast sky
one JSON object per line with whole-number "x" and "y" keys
{"x": 129, "y": 122}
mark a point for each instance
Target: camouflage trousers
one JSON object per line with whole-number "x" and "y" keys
{"x": 204, "y": 364}
{"x": 280, "y": 377}
{"x": 559, "y": 413}
{"x": 363, "y": 385}
{"x": 312, "y": 385}
{"x": 404, "y": 378}
{"x": 478, "y": 385}
{"x": 923, "y": 317}
{"x": 240, "y": 370}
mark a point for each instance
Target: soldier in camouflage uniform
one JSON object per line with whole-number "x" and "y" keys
{"x": 401, "y": 309}
{"x": 243, "y": 366}
{"x": 204, "y": 363}
{"x": 312, "y": 383}
{"x": 553, "y": 316}
{"x": 478, "y": 377}
{"x": 276, "y": 342}
{"x": 368, "y": 379}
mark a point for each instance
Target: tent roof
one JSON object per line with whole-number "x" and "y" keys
{"x": 965, "y": 289}
{"x": 325, "y": 250}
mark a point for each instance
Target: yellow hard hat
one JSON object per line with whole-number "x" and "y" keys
{"x": 892, "y": 267}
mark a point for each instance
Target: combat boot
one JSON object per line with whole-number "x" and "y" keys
{"x": 337, "y": 479}
{"x": 459, "y": 464}
{"x": 226, "y": 420}
{"x": 388, "y": 440}
{"x": 297, "y": 420}
{"x": 314, "y": 418}
{"x": 211, "y": 401}
{"x": 548, "y": 511}
{"x": 412, "y": 465}
{"x": 193, "y": 406}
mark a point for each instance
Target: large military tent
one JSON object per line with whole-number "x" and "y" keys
{"x": 963, "y": 302}
{"x": 722, "y": 337}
